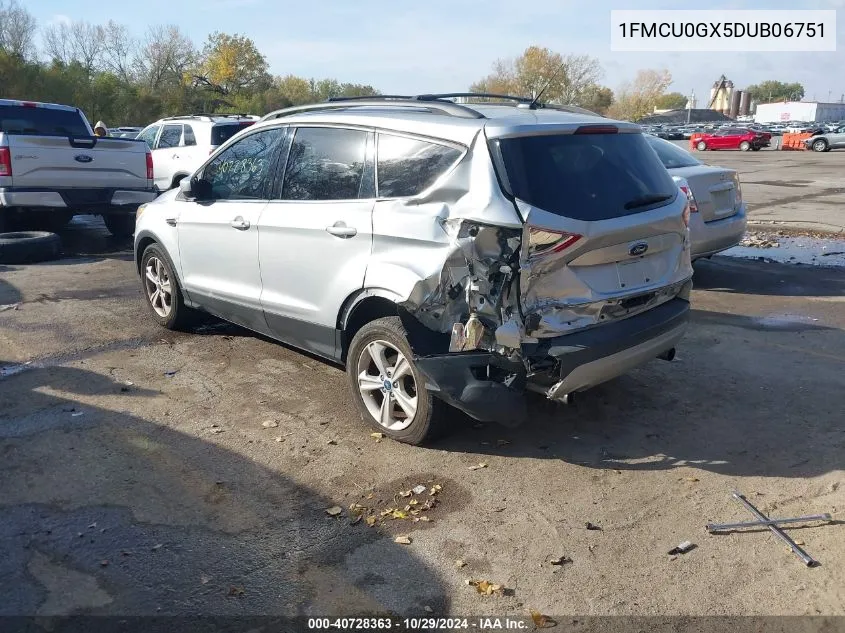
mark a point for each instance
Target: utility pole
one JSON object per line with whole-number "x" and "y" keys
{"x": 690, "y": 104}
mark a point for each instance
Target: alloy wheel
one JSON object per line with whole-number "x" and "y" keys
{"x": 387, "y": 385}
{"x": 157, "y": 285}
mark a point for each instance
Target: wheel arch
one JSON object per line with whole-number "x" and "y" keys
{"x": 142, "y": 241}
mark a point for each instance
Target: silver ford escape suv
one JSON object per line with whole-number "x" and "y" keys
{"x": 447, "y": 253}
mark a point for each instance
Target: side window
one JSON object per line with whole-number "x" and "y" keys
{"x": 242, "y": 170}
{"x": 149, "y": 135}
{"x": 189, "y": 138}
{"x": 407, "y": 167}
{"x": 325, "y": 164}
{"x": 170, "y": 136}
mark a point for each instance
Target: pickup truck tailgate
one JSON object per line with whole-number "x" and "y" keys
{"x": 67, "y": 162}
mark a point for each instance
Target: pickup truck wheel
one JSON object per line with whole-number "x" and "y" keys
{"x": 388, "y": 389}
{"x": 29, "y": 246}
{"x": 162, "y": 293}
{"x": 120, "y": 225}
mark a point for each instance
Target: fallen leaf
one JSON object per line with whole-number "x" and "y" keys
{"x": 377, "y": 435}
{"x": 204, "y": 580}
{"x": 485, "y": 587}
{"x": 332, "y": 442}
{"x": 798, "y": 541}
{"x": 356, "y": 520}
{"x": 405, "y": 493}
{"x": 236, "y": 591}
{"x": 399, "y": 514}
{"x": 334, "y": 511}
{"x": 479, "y": 466}
{"x": 591, "y": 526}
{"x": 280, "y": 439}
{"x": 370, "y": 496}
{"x": 402, "y": 540}
{"x": 269, "y": 424}
{"x": 460, "y": 563}
{"x": 424, "y": 518}
{"x": 539, "y": 619}
{"x": 413, "y": 502}
{"x": 689, "y": 479}
{"x": 371, "y": 520}
{"x": 435, "y": 489}
{"x": 428, "y": 609}
{"x": 561, "y": 560}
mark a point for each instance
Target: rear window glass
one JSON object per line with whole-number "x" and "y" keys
{"x": 409, "y": 166}
{"x": 222, "y": 132}
{"x": 41, "y": 121}
{"x": 672, "y": 156}
{"x": 586, "y": 176}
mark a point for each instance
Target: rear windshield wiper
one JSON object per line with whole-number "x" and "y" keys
{"x": 644, "y": 201}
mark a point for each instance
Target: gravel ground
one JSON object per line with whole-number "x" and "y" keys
{"x": 151, "y": 472}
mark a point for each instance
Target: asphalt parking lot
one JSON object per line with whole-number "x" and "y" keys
{"x": 799, "y": 190}
{"x": 151, "y": 472}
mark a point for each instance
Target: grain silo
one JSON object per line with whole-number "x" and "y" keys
{"x": 736, "y": 97}
{"x": 745, "y": 104}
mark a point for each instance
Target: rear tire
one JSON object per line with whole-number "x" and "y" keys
{"x": 701, "y": 146}
{"x": 380, "y": 352}
{"x": 162, "y": 293}
{"x": 120, "y": 224}
{"x": 25, "y": 247}
{"x": 745, "y": 146}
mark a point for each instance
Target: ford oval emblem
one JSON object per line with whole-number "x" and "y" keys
{"x": 638, "y": 249}
{"x": 83, "y": 158}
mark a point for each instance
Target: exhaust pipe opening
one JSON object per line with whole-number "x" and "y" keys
{"x": 669, "y": 355}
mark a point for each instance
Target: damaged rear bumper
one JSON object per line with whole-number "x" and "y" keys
{"x": 490, "y": 388}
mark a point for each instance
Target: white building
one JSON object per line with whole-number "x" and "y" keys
{"x": 810, "y": 111}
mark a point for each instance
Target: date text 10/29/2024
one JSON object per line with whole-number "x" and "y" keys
{"x": 420, "y": 624}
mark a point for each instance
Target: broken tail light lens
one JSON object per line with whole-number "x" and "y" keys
{"x": 5, "y": 162}
{"x": 545, "y": 241}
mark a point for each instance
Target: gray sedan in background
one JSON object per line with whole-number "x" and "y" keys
{"x": 717, "y": 212}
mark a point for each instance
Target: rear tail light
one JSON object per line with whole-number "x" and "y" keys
{"x": 693, "y": 206}
{"x": 150, "y": 173}
{"x": 5, "y": 162}
{"x": 545, "y": 241}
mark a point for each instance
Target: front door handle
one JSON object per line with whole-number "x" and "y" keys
{"x": 340, "y": 229}
{"x": 239, "y": 223}
{"x": 176, "y": 156}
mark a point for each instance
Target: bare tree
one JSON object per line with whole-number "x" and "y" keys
{"x": 57, "y": 42}
{"x": 165, "y": 56}
{"x": 119, "y": 50}
{"x": 79, "y": 42}
{"x": 17, "y": 30}
{"x": 638, "y": 98}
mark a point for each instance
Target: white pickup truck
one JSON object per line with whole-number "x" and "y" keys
{"x": 52, "y": 167}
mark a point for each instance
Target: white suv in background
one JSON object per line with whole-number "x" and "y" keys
{"x": 180, "y": 144}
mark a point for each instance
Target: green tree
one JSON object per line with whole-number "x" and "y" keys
{"x": 671, "y": 101}
{"x": 772, "y": 90}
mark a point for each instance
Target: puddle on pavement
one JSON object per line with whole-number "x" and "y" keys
{"x": 812, "y": 251}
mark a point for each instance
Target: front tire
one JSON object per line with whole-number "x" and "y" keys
{"x": 820, "y": 146}
{"x": 162, "y": 293}
{"x": 120, "y": 225}
{"x": 745, "y": 146}
{"x": 701, "y": 146}
{"x": 388, "y": 389}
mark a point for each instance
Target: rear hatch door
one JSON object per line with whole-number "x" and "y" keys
{"x": 604, "y": 235}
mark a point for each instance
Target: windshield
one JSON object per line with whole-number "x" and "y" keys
{"x": 42, "y": 121}
{"x": 585, "y": 176}
{"x": 222, "y": 132}
{"x": 672, "y": 156}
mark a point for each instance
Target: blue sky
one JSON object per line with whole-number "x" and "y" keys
{"x": 444, "y": 45}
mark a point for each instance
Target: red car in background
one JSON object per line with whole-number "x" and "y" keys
{"x": 734, "y": 138}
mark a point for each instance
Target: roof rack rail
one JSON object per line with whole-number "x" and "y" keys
{"x": 443, "y": 107}
{"x": 467, "y": 95}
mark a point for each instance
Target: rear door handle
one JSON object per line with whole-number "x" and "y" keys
{"x": 176, "y": 156}
{"x": 340, "y": 229}
{"x": 239, "y": 223}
